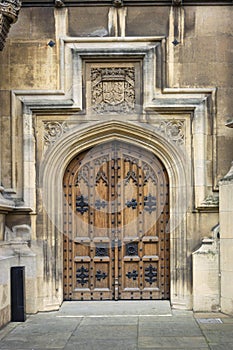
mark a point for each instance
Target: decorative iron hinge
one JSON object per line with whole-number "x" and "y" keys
{"x": 150, "y": 203}
{"x": 82, "y": 275}
{"x": 151, "y": 274}
{"x": 100, "y": 204}
{"x": 100, "y": 275}
{"x": 132, "y": 204}
{"x": 81, "y": 204}
{"x": 133, "y": 275}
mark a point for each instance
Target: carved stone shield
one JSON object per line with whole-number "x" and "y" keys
{"x": 113, "y": 92}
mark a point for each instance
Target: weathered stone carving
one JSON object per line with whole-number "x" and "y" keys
{"x": 177, "y": 2}
{"x": 59, "y": 3}
{"x": 113, "y": 89}
{"x": 210, "y": 201}
{"x": 117, "y": 3}
{"x": 9, "y": 10}
{"x": 18, "y": 233}
{"x": 53, "y": 131}
{"x": 174, "y": 130}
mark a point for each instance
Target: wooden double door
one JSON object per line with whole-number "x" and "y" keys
{"x": 116, "y": 225}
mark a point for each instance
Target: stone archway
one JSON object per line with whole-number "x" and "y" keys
{"x": 78, "y": 140}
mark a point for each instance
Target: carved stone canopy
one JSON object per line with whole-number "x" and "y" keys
{"x": 9, "y": 10}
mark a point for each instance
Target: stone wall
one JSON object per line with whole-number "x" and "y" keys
{"x": 226, "y": 222}
{"x": 185, "y": 98}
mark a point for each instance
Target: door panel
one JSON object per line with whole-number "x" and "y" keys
{"x": 116, "y": 213}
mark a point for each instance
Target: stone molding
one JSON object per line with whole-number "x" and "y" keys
{"x": 9, "y": 10}
{"x": 35, "y": 3}
{"x": 83, "y": 137}
{"x": 188, "y": 115}
{"x": 198, "y": 105}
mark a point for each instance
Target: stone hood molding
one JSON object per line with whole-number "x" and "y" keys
{"x": 9, "y": 10}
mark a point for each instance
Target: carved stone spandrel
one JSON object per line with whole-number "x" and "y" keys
{"x": 53, "y": 130}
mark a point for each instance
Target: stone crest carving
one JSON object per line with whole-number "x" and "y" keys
{"x": 54, "y": 130}
{"x": 113, "y": 89}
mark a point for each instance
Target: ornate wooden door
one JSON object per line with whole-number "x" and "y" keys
{"x": 116, "y": 225}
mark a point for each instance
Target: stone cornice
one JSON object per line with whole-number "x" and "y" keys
{"x": 35, "y": 3}
{"x": 9, "y": 10}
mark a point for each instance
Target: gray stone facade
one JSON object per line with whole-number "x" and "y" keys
{"x": 172, "y": 63}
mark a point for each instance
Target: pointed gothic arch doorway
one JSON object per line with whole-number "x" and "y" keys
{"x": 116, "y": 225}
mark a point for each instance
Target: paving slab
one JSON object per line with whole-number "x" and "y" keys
{"x": 172, "y": 342}
{"x": 133, "y": 325}
{"x": 103, "y": 345}
{"x": 110, "y": 321}
{"x": 223, "y": 346}
{"x": 153, "y": 348}
{"x": 99, "y": 332}
{"x": 117, "y": 308}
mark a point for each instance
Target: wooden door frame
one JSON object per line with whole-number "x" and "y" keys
{"x": 77, "y": 140}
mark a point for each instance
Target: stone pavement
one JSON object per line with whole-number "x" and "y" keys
{"x": 128, "y": 325}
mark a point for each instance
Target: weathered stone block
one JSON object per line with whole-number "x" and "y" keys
{"x": 226, "y": 249}
{"x": 156, "y": 22}
{"x": 34, "y": 23}
{"x": 89, "y": 21}
{"x": 206, "y": 277}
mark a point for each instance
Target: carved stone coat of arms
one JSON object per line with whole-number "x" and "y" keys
{"x": 113, "y": 89}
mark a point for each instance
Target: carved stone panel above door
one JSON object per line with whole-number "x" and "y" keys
{"x": 113, "y": 87}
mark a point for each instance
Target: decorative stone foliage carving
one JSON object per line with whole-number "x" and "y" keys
{"x": 53, "y": 130}
{"x": 9, "y": 10}
{"x": 113, "y": 89}
{"x": 174, "y": 130}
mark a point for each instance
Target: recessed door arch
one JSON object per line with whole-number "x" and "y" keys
{"x": 116, "y": 225}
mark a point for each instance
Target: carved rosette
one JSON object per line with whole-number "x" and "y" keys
{"x": 113, "y": 89}
{"x": 174, "y": 130}
{"x": 9, "y": 10}
{"x": 53, "y": 131}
